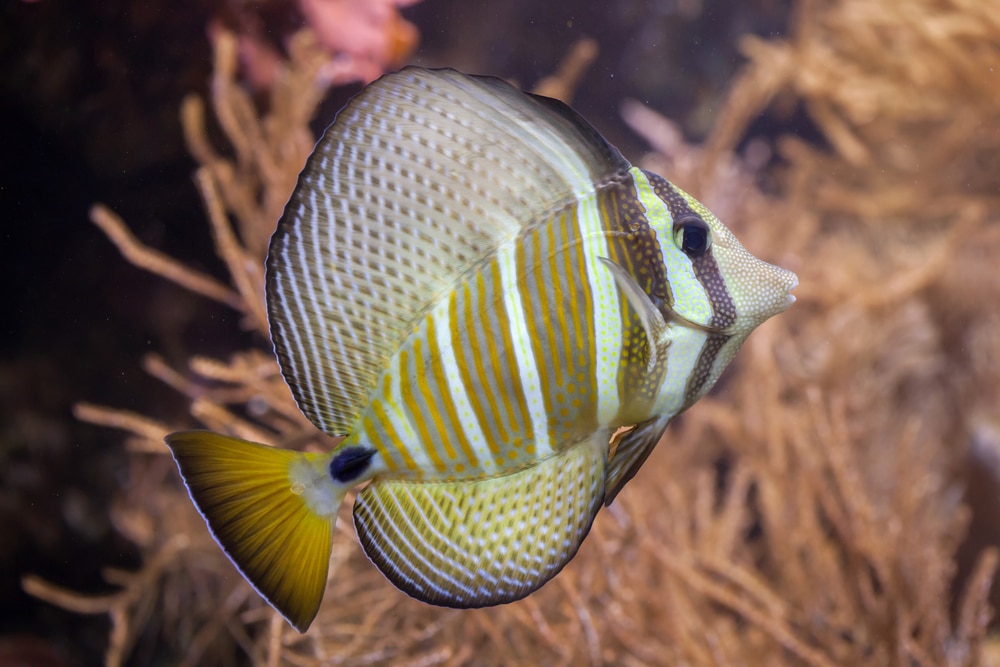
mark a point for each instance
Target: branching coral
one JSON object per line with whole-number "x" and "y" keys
{"x": 857, "y": 406}
{"x": 808, "y": 513}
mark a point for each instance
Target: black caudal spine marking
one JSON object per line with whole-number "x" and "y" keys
{"x": 350, "y": 464}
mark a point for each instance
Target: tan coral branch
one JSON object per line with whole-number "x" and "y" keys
{"x": 144, "y": 427}
{"x": 775, "y": 627}
{"x": 247, "y": 277}
{"x": 156, "y": 262}
{"x": 563, "y": 84}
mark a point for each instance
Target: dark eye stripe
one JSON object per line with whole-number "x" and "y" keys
{"x": 705, "y": 268}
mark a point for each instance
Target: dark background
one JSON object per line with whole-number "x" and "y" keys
{"x": 89, "y": 99}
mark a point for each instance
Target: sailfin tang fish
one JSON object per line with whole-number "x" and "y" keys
{"x": 476, "y": 290}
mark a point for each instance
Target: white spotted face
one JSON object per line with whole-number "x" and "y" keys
{"x": 720, "y": 291}
{"x": 748, "y": 291}
{"x": 758, "y": 290}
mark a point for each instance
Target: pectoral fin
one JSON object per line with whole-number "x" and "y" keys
{"x": 271, "y": 510}
{"x": 485, "y": 542}
{"x": 652, "y": 319}
{"x": 632, "y": 448}
{"x": 657, "y": 334}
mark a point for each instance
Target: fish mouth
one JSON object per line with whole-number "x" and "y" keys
{"x": 787, "y": 281}
{"x": 790, "y": 298}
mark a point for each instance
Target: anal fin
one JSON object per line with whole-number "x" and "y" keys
{"x": 631, "y": 449}
{"x": 485, "y": 542}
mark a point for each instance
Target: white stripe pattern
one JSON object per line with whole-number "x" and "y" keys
{"x": 607, "y": 311}
{"x": 528, "y": 371}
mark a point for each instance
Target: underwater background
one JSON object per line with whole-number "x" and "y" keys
{"x": 833, "y": 502}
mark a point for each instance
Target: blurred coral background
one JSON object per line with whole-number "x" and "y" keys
{"x": 833, "y": 502}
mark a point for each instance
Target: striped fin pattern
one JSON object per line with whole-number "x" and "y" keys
{"x": 477, "y": 544}
{"x": 420, "y": 179}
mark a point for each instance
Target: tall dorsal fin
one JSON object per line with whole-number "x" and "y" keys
{"x": 419, "y": 179}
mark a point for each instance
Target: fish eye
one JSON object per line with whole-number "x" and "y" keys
{"x": 692, "y": 236}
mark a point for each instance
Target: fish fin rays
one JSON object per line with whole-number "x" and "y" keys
{"x": 657, "y": 333}
{"x": 487, "y": 542}
{"x": 422, "y": 176}
{"x": 273, "y": 534}
{"x": 631, "y": 449}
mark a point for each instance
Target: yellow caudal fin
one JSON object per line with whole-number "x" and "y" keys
{"x": 487, "y": 542}
{"x": 271, "y": 510}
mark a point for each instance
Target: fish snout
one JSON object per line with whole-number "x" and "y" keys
{"x": 764, "y": 291}
{"x": 787, "y": 281}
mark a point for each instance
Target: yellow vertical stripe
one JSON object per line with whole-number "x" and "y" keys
{"x": 507, "y": 340}
{"x": 423, "y": 386}
{"x": 383, "y": 419}
{"x": 561, "y": 290}
{"x": 416, "y": 414}
{"x": 478, "y": 383}
{"x": 581, "y": 357}
{"x": 372, "y": 435}
{"x": 437, "y": 371}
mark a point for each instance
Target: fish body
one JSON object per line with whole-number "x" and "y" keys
{"x": 476, "y": 290}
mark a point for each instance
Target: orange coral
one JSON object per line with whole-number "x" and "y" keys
{"x": 363, "y": 37}
{"x": 371, "y": 33}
